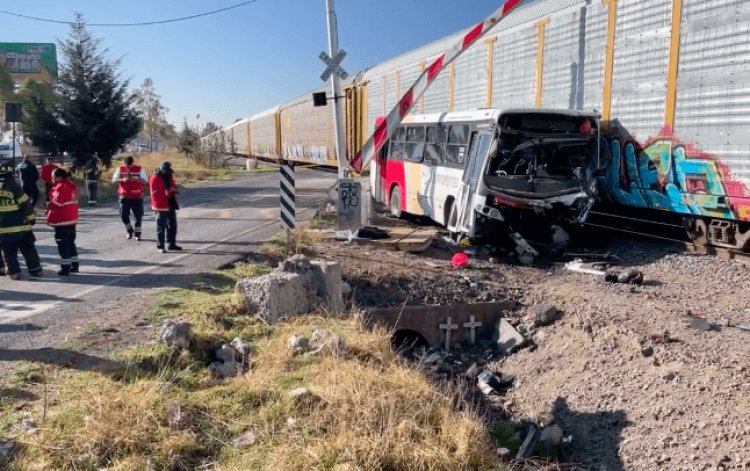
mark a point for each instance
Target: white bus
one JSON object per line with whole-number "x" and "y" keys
{"x": 471, "y": 170}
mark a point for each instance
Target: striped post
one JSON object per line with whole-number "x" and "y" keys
{"x": 405, "y": 104}
{"x": 287, "y": 196}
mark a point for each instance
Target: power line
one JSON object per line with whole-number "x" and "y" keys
{"x": 144, "y": 23}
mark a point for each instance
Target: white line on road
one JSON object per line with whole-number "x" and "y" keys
{"x": 10, "y": 314}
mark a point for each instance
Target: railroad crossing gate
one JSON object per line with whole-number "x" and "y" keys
{"x": 286, "y": 178}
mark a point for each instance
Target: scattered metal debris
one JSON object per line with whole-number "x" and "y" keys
{"x": 605, "y": 269}
{"x": 487, "y": 382}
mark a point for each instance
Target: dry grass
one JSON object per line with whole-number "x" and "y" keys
{"x": 368, "y": 409}
{"x": 186, "y": 170}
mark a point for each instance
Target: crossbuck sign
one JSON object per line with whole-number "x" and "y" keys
{"x": 333, "y": 65}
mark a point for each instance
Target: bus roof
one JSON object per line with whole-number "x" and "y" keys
{"x": 489, "y": 114}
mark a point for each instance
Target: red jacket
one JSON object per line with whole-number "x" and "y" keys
{"x": 160, "y": 194}
{"x": 47, "y": 170}
{"x": 130, "y": 184}
{"x": 62, "y": 209}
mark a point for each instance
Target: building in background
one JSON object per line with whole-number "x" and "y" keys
{"x": 36, "y": 61}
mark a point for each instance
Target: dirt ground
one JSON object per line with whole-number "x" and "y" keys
{"x": 684, "y": 407}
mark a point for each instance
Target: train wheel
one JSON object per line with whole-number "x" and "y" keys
{"x": 395, "y": 202}
{"x": 697, "y": 231}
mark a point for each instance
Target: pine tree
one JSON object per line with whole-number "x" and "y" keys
{"x": 92, "y": 111}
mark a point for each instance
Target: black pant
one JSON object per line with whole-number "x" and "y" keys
{"x": 23, "y": 241}
{"x": 92, "y": 188}
{"x": 47, "y": 189}
{"x": 166, "y": 228}
{"x": 135, "y": 205}
{"x": 65, "y": 236}
{"x": 32, "y": 191}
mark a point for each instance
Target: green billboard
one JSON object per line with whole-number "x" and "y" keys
{"x": 37, "y": 61}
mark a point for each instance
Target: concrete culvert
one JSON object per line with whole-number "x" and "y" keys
{"x": 406, "y": 339}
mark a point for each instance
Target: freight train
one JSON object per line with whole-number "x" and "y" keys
{"x": 669, "y": 78}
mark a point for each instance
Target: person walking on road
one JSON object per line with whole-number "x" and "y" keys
{"x": 47, "y": 169}
{"x": 92, "y": 173}
{"x": 16, "y": 220}
{"x": 164, "y": 202}
{"x": 62, "y": 214}
{"x": 29, "y": 178}
{"x": 130, "y": 179}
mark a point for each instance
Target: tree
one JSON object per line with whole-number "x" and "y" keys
{"x": 6, "y": 92}
{"x": 39, "y": 122}
{"x": 152, "y": 112}
{"x": 92, "y": 110}
{"x": 209, "y": 128}
{"x": 188, "y": 140}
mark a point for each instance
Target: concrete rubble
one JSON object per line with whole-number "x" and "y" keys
{"x": 298, "y": 344}
{"x": 245, "y": 440}
{"x": 297, "y": 287}
{"x": 175, "y": 333}
{"x": 324, "y": 341}
{"x": 508, "y": 338}
{"x": 233, "y": 359}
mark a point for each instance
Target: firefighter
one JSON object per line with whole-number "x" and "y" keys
{"x": 47, "y": 169}
{"x": 62, "y": 214}
{"x": 16, "y": 218}
{"x": 130, "y": 179}
{"x": 164, "y": 202}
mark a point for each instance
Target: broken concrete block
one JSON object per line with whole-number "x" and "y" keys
{"x": 489, "y": 383}
{"x": 226, "y": 354}
{"x": 324, "y": 341}
{"x": 221, "y": 370}
{"x": 543, "y": 314}
{"x": 326, "y": 283}
{"x": 276, "y": 295}
{"x": 245, "y": 440}
{"x": 298, "y": 344}
{"x": 299, "y": 393}
{"x": 551, "y": 437}
{"x": 295, "y": 264}
{"x": 175, "y": 334}
{"x": 245, "y": 349}
{"x": 508, "y": 338}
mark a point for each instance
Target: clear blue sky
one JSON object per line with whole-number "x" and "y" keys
{"x": 233, "y": 64}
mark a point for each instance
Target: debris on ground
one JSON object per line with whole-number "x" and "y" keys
{"x": 298, "y": 344}
{"x": 175, "y": 334}
{"x": 508, "y": 338}
{"x": 489, "y": 383}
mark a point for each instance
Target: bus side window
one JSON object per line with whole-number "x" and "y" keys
{"x": 457, "y": 147}
{"x": 397, "y": 144}
{"x": 414, "y": 150}
{"x": 433, "y": 149}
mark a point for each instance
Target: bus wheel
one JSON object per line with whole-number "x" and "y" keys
{"x": 395, "y": 202}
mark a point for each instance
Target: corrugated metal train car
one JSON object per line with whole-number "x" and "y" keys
{"x": 671, "y": 79}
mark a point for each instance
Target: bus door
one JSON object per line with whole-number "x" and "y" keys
{"x": 465, "y": 216}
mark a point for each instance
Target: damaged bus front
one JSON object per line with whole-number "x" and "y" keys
{"x": 527, "y": 175}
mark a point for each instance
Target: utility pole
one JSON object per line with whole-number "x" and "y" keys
{"x": 333, "y": 51}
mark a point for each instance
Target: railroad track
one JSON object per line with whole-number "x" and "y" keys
{"x": 667, "y": 231}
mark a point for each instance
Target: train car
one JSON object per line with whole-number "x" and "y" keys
{"x": 263, "y": 129}
{"x": 237, "y": 137}
{"x": 670, "y": 77}
{"x": 307, "y": 132}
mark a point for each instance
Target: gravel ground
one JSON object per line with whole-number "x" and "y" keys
{"x": 685, "y": 407}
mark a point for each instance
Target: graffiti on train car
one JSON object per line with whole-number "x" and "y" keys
{"x": 668, "y": 174}
{"x": 298, "y": 151}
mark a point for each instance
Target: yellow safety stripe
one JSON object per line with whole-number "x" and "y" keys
{"x": 24, "y": 198}
{"x": 15, "y": 229}
{"x": 10, "y": 208}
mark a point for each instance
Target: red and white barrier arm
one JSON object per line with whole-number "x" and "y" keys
{"x": 386, "y": 128}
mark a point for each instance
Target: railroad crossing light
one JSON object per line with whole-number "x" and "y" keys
{"x": 12, "y": 112}
{"x": 319, "y": 99}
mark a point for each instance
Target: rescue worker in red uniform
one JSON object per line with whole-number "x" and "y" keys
{"x": 47, "y": 169}
{"x": 62, "y": 214}
{"x": 16, "y": 218}
{"x": 164, "y": 202}
{"x": 130, "y": 179}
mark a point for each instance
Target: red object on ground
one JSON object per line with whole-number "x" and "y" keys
{"x": 460, "y": 260}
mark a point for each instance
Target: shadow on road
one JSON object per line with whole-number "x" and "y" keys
{"x": 29, "y": 297}
{"x": 65, "y": 359}
{"x": 598, "y": 432}
{"x": 5, "y": 328}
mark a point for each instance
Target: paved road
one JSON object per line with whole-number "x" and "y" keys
{"x": 217, "y": 223}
